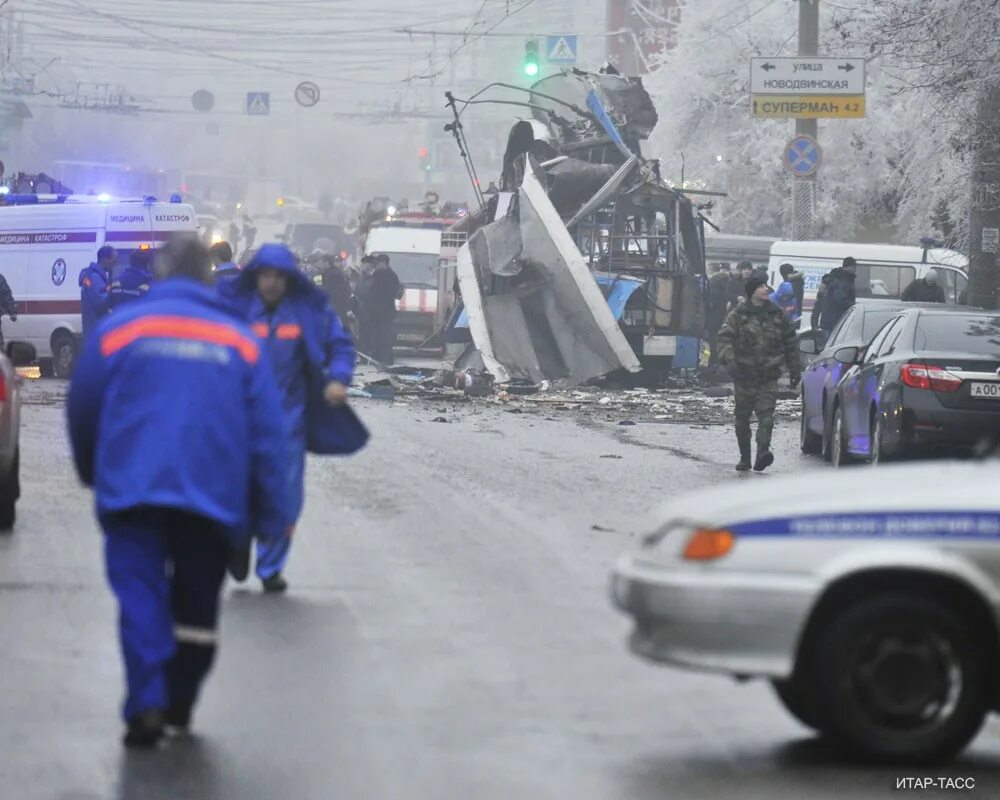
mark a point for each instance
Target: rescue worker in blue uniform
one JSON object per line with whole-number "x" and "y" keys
{"x": 94, "y": 283}
{"x": 313, "y": 360}
{"x": 134, "y": 281}
{"x": 223, "y": 266}
{"x": 178, "y": 484}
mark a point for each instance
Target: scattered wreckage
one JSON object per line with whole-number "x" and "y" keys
{"x": 584, "y": 261}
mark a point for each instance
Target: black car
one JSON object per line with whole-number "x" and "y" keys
{"x": 928, "y": 382}
{"x": 822, "y": 373}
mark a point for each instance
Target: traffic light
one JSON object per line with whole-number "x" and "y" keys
{"x": 425, "y": 159}
{"x": 531, "y": 58}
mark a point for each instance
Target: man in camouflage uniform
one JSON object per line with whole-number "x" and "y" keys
{"x": 755, "y": 342}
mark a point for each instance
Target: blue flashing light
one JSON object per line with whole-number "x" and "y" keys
{"x": 176, "y": 198}
{"x": 104, "y": 198}
{"x": 149, "y": 199}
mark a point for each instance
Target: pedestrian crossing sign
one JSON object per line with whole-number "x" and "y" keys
{"x": 258, "y": 104}
{"x": 561, "y": 49}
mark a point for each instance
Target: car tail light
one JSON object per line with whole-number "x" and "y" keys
{"x": 3, "y": 388}
{"x": 707, "y": 544}
{"x": 927, "y": 376}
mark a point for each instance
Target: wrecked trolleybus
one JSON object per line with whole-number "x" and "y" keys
{"x": 583, "y": 261}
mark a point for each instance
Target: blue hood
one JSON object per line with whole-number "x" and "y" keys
{"x": 281, "y": 258}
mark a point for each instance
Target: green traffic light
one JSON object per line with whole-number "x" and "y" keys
{"x": 531, "y": 69}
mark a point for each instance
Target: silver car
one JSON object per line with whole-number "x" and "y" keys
{"x": 870, "y": 600}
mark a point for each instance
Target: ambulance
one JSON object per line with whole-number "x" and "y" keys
{"x": 46, "y": 240}
{"x": 414, "y": 250}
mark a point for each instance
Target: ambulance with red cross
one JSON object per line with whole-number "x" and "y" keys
{"x": 46, "y": 240}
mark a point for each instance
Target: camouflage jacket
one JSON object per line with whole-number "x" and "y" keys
{"x": 756, "y": 341}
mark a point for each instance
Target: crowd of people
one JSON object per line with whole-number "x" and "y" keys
{"x": 190, "y": 415}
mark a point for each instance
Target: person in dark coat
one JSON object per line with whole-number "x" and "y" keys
{"x": 8, "y": 306}
{"x": 925, "y": 290}
{"x": 312, "y": 358}
{"x": 361, "y": 298}
{"x": 717, "y": 307}
{"x": 176, "y": 423}
{"x": 337, "y": 288}
{"x": 743, "y": 273}
{"x": 836, "y": 294}
{"x": 379, "y": 306}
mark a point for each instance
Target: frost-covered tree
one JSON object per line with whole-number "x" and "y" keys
{"x": 898, "y": 173}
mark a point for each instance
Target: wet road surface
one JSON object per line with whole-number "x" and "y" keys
{"x": 447, "y": 634}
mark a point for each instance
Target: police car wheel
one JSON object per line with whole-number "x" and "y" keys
{"x": 811, "y": 443}
{"x": 63, "y": 355}
{"x": 799, "y": 701}
{"x": 902, "y": 679}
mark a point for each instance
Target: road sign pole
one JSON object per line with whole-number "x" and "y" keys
{"x": 804, "y": 191}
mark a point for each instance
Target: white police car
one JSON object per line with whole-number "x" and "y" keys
{"x": 872, "y": 605}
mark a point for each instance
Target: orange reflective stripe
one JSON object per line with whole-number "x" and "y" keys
{"x": 187, "y": 328}
{"x": 289, "y": 331}
{"x": 260, "y": 330}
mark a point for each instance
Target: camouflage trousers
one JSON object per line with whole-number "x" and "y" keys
{"x": 756, "y": 397}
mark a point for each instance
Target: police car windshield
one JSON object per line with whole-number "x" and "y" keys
{"x": 958, "y": 333}
{"x": 415, "y": 269}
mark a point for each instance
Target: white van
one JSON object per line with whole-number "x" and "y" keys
{"x": 731, "y": 249}
{"x": 45, "y": 241}
{"x": 415, "y": 256}
{"x": 884, "y": 270}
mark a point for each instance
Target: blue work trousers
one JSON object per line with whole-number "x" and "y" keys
{"x": 272, "y": 554}
{"x": 166, "y": 568}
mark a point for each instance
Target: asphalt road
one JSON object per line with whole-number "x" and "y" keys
{"x": 447, "y": 634}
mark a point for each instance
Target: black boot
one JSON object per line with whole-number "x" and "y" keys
{"x": 743, "y": 440}
{"x": 145, "y": 730}
{"x": 275, "y": 584}
{"x": 239, "y": 563}
{"x": 178, "y": 717}
{"x": 765, "y": 458}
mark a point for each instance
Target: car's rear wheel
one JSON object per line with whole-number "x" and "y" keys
{"x": 811, "y": 443}
{"x": 901, "y": 678}
{"x": 798, "y": 701}
{"x": 10, "y": 491}
{"x": 878, "y": 454}
{"x": 839, "y": 456}
{"x": 63, "y": 354}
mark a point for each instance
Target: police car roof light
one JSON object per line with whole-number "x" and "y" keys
{"x": 176, "y": 198}
{"x": 33, "y": 199}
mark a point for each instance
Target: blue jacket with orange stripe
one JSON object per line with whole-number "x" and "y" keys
{"x": 308, "y": 348}
{"x": 94, "y": 282}
{"x": 172, "y": 404}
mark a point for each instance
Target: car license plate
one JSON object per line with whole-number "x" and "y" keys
{"x": 988, "y": 391}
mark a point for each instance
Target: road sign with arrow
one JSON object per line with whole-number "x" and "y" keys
{"x": 807, "y": 75}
